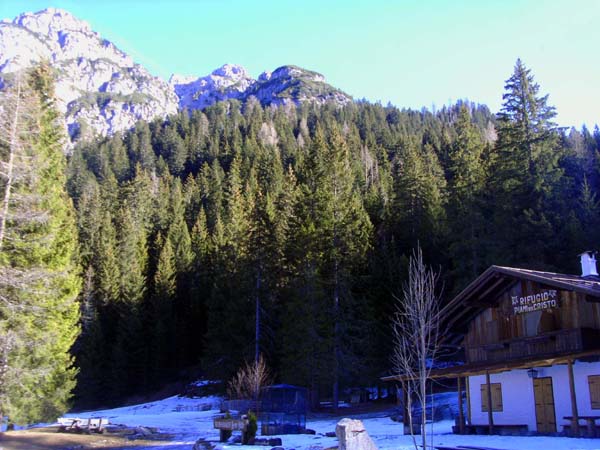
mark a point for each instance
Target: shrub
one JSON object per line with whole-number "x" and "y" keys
{"x": 249, "y": 380}
{"x": 250, "y": 434}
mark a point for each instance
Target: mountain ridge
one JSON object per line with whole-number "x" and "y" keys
{"x": 101, "y": 90}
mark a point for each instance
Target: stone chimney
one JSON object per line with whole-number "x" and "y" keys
{"x": 588, "y": 264}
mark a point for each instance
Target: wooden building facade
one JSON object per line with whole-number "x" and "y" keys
{"x": 531, "y": 343}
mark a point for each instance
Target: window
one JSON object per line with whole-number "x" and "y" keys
{"x": 496, "y": 397}
{"x": 594, "y": 383}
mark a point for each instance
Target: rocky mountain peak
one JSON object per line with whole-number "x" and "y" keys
{"x": 293, "y": 84}
{"x": 50, "y": 21}
{"x": 296, "y": 72}
{"x": 226, "y": 82}
{"x": 101, "y": 90}
{"x": 232, "y": 71}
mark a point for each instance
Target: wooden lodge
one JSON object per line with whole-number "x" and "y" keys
{"x": 531, "y": 343}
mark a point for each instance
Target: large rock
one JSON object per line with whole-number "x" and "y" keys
{"x": 352, "y": 435}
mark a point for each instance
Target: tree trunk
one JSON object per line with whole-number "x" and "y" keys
{"x": 10, "y": 164}
{"x": 336, "y": 345}
{"x": 257, "y": 323}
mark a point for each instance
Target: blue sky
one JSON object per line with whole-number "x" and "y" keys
{"x": 411, "y": 53}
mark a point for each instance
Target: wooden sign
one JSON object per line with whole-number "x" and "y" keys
{"x": 535, "y": 302}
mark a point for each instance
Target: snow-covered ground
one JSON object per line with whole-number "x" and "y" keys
{"x": 189, "y": 419}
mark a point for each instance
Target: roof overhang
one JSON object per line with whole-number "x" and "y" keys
{"x": 466, "y": 370}
{"x": 486, "y": 289}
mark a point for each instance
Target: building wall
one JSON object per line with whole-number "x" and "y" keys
{"x": 518, "y": 400}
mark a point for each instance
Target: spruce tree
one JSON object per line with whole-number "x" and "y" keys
{"x": 526, "y": 171}
{"x": 162, "y": 321}
{"x": 39, "y": 280}
{"x": 334, "y": 236}
{"x": 130, "y": 346}
{"x": 416, "y": 211}
{"x": 91, "y": 349}
{"x": 467, "y": 174}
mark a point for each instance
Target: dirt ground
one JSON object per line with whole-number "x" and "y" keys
{"x": 52, "y": 439}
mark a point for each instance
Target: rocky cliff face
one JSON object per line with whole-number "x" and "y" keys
{"x": 287, "y": 84}
{"x": 101, "y": 90}
{"x": 294, "y": 84}
{"x": 229, "y": 81}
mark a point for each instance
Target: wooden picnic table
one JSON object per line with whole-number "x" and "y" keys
{"x": 592, "y": 430}
{"x": 77, "y": 424}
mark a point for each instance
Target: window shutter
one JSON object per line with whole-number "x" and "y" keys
{"x": 496, "y": 389}
{"x": 484, "y": 399}
{"x": 497, "y": 397}
{"x": 594, "y": 384}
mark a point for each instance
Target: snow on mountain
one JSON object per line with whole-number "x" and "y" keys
{"x": 102, "y": 91}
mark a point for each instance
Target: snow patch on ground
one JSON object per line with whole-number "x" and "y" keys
{"x": 189, "y": 419}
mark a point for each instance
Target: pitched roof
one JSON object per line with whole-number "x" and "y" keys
{"x": 485, "y": 290}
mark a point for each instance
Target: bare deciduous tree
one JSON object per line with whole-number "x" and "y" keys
{"x": 249, "y": 380}
{"x": 416, "y": 327}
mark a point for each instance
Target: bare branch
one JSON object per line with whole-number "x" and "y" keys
{"x": 249, "y": 380}
{"x": 415, "y": 327}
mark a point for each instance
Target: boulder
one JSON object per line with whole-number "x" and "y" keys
{"x": 352, "y": 435}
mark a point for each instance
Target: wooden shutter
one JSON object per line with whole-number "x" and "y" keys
{"x": 496, "y": 397}
{"x": 484, "y": 398}
{"x": 594, "y": 384}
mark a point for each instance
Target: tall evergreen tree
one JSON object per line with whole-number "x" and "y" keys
{"x": 39, "y": 278}
{"x": 467, "y": 174}
{"x": 334, "y": 237}
{"x": 526, "y": 171}
{"x": 165, "y": 285}
{"x": 128, "y": 353}
{"x": 417, "y": 211}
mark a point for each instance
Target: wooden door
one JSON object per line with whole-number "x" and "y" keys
{"x": 544, "y": 405}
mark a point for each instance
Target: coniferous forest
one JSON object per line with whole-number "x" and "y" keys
{"x": 294, "y": 224}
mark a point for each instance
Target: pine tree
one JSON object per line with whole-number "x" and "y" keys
{"x": 173, "y": 151}
{"x": 417, "y": 211}
{"x": 39, "y": 280}
{"x": 467, "y": 174}
{"x": 199, "y": 285}
{"x": 179, "y": 238}
{"x": 129, "y": 350}
{"x": 90, "y": 349}
{"x": 335, "y": 238}
{"x": 162, "y": 333}
{"x": 119, "y": 159}
{"x": 178, "y": 233}
{"x": 526, "y": 171}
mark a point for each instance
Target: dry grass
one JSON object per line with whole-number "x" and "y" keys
{"x": 51, "y": 439}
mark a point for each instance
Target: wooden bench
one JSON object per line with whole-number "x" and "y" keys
{"x": 227, "y": 425}
{"x": 472, "y": 447}
{"x": 589, "y": 429}
{"x": 501, "y": 429}
{"x": 460, "y": 447}
{"x": 78, "y": 425}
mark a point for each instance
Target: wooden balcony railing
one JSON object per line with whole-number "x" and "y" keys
{"x": 553, "y": 343}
